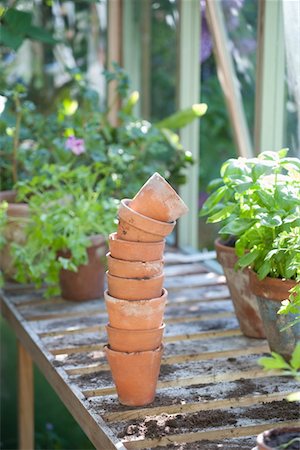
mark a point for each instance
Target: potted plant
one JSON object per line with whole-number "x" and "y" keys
{"x": 258, "y": 203}
{"x": 70, "y": 215}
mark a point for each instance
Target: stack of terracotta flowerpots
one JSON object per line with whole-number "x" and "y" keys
{"x": 135, "y": 298}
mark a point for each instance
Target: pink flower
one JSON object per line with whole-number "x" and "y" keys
{"x": 75, "y": 145}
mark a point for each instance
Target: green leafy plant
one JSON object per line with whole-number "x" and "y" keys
{"x": 257, "y": 202}
{"x": 67, "y": 206}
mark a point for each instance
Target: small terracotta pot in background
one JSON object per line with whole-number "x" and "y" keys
{"x": 133, "y": 226}
{"x": 158, "y": 200}
{"x": 134, "y": 340}
{"x": 88, "y": 282}
{"x": 244, "y": 301}
{"x": 134, "y": 269}
{"x": 14, "y": 231}
{"x": 135, "y": 251}
{"x": 272, "y": 439}
{"x": 136, "y": 314}
{"x": 134, "y": 288}
{"x": 135, "y": 375}
{"x": 270, "y": 292}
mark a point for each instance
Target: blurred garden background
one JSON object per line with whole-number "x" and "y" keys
{"x": 57, "y": 66}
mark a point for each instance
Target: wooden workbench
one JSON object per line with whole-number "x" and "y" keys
{"x": 211, "y": 392}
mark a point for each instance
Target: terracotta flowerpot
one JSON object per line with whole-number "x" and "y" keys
{"x": 133, "y": 226}
{"x": 135, "y": 251}
{"x": 158, "y": 200}
{"x": 276, "y": 437}
{"x": 134, "y": 269}
{"x": 244, "y": 302}
{"x": 134, "y": 288}
{"x": 88, "y": 282}
{"x": 136, "y": 314}
{"x": 270, "y": 292}
{"x": 135, "y": 375}
{"x": 134, "y": 340}
{"x": 17, "y": 218}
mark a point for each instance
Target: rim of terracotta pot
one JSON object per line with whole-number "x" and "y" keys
{"x": 145, "y": 223}
{"x": 280, "y": 430}
{"x": 275, "y": 289}
{"x": 128, "y": 340}
{"x": 117, "y": 300}
{"x": 155, "y": 350}
{"x": 135, "y": 288}
{"x": 135, "y": 251}
{"x": 165, "y": 196}
{"x": 134, "y": 269}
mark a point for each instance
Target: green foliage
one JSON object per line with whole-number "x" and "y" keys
{"x": 258, "y": 202}
{"x": 277, "y": 362}
{"x": 3, "y": 221}
{"x": 132, "y": 151}
{"x": 16, "y": 26}
{"x": 67, "y": 206}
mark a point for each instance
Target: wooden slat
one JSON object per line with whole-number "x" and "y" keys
{"x": 25, "y": 399}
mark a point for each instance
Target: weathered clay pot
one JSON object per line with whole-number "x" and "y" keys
{"x": 134, "y": 226}
{"x": 135, "y": 251}
{"x": 17, "y": 218}
{"x": 135, "y": 375}
{"x": 134, "y": 288}
{"x": 274, "y": 438}
{"x": 136, "y": 314}
{"x": 270, "y": 292}
{"x": 88, "y": 282}
{"x": 158, "y": 200}
{"x": 123, "y": 340}
{"x": 244, "y": 302}
{"x": 134, "y": 269}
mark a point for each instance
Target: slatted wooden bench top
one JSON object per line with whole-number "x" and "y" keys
{"x": 211, "y": 393}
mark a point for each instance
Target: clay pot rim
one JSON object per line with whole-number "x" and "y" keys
{"x": 155, "y": 350}
{"x": 261, "y": 437}
{"x": 146, "y": 330}
{"x": 129, "y": 263}
{"x": 226, "y": 248}
{"x": 114, "y": 237}
{"x": 156, "y": 277}
{"x": 259, "y": 287}
{"x": 147, "y": 221}
{"x": 115, "y": 299}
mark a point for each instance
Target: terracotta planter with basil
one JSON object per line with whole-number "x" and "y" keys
{"x": 270, "y": 292}
{"x": 158, "y": 200}
{"x": 278, "y": 438}
{"x": 88, "y": 282}
{"x": 244, "y": 301}
{"x": 17, "y": 218}
{"x": 136, "y": 227}
{"x": 135, "y": 375}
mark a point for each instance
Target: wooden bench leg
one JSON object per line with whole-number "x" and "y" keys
{"x": 26, "y": 400}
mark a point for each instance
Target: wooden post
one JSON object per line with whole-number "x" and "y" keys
{"x": 188, "y": 94}
{"x": 26, "y": 399}
{"x": 114, "y": 54}
{"x": 146, "y": 58}
{"x": 228, "y": 79}
{"x": 269, "y": 98}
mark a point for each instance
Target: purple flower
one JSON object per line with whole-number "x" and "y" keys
{"x": 75, "y": 145}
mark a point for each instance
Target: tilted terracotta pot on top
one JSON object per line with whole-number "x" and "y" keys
{"x": 123, "y": 340}
{"x": 134, "y": 269}
{"x": 136, "y": 227}
{"x": 17, "y": 218}
{"x": 88, "y": 282}
{"x": 135, "y": 375}
{"x": 270, "y": 292}
{"x": 135, "y": 251}
{"x": 135, "y": 288}
{"x": 136, "y": 314}
{"x": 244, "y": 302}
{"x": 158, "y": 200}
